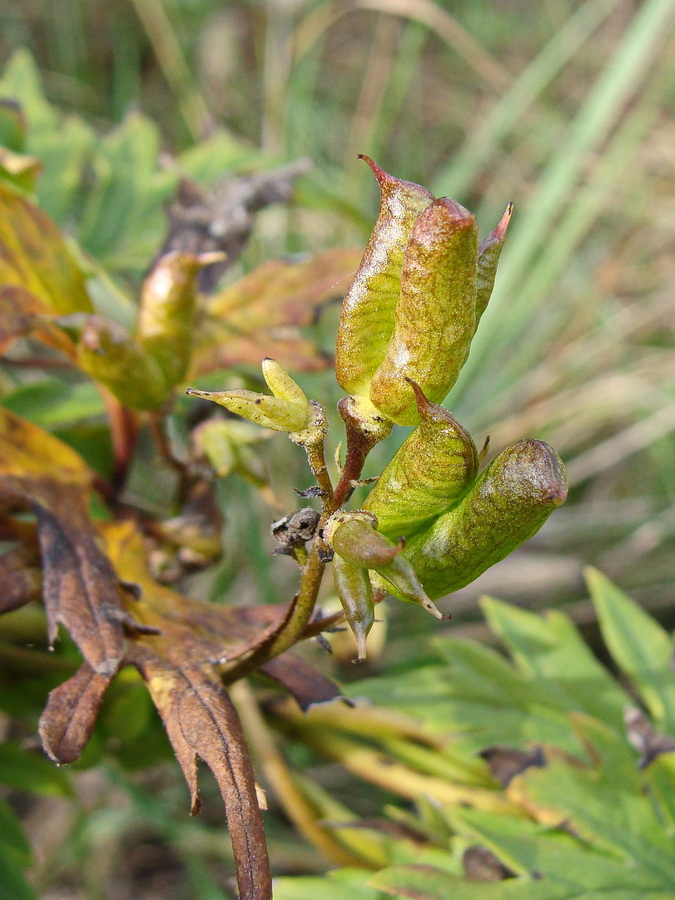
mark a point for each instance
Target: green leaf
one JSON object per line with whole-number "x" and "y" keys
{"x": 341, "y": 884}
{"x": 12, "y": 837}
{"x": 21, "y": 82}
{"x": 479, "y": 697}
{"x": 123, "y": 217}
{"x": 113, "y": 187}
{"x": 127, "y": 713}
{"x": 62, "y": 145}
{"x": 548, "y": 647}
{"x": 660, "y": 775}
{"x": 217, "y": 155}
{"x": 30, "y": 772}
{"x": 13, "y": 886}
{"x": 640, "y": 647}
{"x": 607, "y": 803}
{"x": 12, "y": 125}
{"x": 52, "y": 402}
{"x": 64, "y": 153}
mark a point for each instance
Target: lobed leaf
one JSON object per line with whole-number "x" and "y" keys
{"x": 201, "y": 721}
{"x": 68, "y": 720}
{"x": 79, "y": 585}
{"x": 549, "y": 648}
{"x": 643, "y": 650}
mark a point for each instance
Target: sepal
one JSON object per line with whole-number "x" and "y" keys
{"x": 353, "y": 537}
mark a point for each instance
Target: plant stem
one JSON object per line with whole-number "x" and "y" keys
{"x": 360, "y": 440}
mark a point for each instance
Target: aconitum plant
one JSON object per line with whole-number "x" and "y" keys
{"x": 433, "y": 521}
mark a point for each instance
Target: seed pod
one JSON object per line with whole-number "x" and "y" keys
{"x": 508, "y": 504}
{"x": 167, "y": 311}
{"x": 356, "y": 596}
{"x": 428, "y": 474}
{"x": 287, "y": 410}
{"x": 488, "y": 256}
{"x": 353, "y": 537}
{"x": 436, "y": 313}
{"x": 367, "y": 318}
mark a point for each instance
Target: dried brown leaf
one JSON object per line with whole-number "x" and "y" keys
{"x": 20, "y": 578}
{"x": 202, "y": 722}
{"x": 80, "y": 588}
{"x": 204, "y": 631}
{"x": 70, "y": 715}
{"x": 302, "y": 680}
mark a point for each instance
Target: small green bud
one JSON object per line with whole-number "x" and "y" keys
{"x": 353, "y": 536}
{"x": 287, "y": 410}
{"x": 356, "y": 596}
{"x": 281, "y": 384}
{"x": 435, "y": 314}
{"x": 428, "y": 474}
{"x": 368, "y": 310}
{"x": 508, "y": 504}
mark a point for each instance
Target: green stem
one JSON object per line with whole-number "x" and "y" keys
{"x": 360, "y": 441}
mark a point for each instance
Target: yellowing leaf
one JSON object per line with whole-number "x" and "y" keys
{"x": 27, "y": 451}
{"x": 261, "y": 315}
{"x": 34, "y": 255}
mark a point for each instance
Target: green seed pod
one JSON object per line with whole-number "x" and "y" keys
{"x": 167, "y": 311}
{"x": 108, "y": 353}
{"x": 428, "y": 474}
{"x": 508, "y": 504}
{"x": 352, "y": 536}
{"x": 367, "y": 318}
{"x": 436, "y": 313}
{"x": 488, "y": 256}
{"x": 287, "y": 410}
{"x": 356, "y": 596}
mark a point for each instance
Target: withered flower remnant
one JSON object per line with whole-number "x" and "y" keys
{"x": 358, "y": 548}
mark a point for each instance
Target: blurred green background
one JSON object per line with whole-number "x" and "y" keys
{"x": 565, "y": 108}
